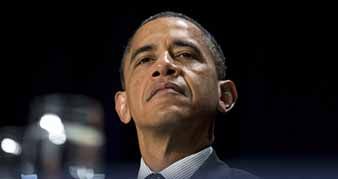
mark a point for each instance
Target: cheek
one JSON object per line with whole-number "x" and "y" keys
{"x": 135, "y": 88}
{"x": 136, "y": 81}
{"x": 202, "y": 80}
{"x": 204, "y": 76}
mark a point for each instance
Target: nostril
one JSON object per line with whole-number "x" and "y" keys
{"x": 170, "y": 71}
{"x": 156, "y": 73}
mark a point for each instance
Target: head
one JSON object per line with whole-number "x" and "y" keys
{"x": 173, "y": 75}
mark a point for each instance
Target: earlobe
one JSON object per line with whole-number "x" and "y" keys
{"x": 121, "y": 107}
{"x": 227, "y": 94}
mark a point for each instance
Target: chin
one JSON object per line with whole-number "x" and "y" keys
{"x": 169, "y": 116}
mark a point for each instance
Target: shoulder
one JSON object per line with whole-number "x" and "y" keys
{"x": 241, "y": 174}
{"x": 214, "y": 168}
{"x": 224, "y": 172}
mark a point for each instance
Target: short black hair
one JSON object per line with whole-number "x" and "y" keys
{"x": 214, "y": 47}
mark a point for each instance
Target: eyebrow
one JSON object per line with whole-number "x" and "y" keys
{"x": 177, "y": 42}
{"x": 183, "y": 43}
{"x": 142, "y": 49}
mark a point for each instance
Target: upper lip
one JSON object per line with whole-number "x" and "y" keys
{"x": 164, "y": 85}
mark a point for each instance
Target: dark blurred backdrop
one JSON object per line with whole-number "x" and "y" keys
{"x": 282, "y": 60}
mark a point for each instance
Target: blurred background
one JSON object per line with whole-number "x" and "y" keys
{"x": 60, "y": 64}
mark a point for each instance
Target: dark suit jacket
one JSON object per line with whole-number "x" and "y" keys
{"x": 214, "y": 168}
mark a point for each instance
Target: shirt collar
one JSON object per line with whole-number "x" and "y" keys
{"x": 181, "y": 169}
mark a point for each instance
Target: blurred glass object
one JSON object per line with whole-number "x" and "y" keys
{"x": 65, "y": 138}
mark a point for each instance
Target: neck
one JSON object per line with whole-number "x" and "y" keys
{"x": 160, "y": 149}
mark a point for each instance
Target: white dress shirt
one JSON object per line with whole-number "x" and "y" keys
{"x": 181, "y": 169}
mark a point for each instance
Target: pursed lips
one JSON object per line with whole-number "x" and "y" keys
{"x": 164, "y": 86}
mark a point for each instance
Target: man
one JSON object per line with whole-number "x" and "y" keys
{"x": 173, "y": 76}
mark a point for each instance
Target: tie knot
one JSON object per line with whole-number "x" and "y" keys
{"x": 155, "y": 176}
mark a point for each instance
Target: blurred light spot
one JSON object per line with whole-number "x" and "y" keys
{"x": 57, "y": 139}
{"x": 10, "y": 146}
{"x": 82, "y": 172}
{"x": 84, "y": 135}
{"x": 85, "y": 173}
{"x": 53, "y": 125}
{"x": 31, "y": 176}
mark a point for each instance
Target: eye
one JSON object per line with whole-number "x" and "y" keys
{"x": 144, "y": 60}
{"x": 185, "y": 55}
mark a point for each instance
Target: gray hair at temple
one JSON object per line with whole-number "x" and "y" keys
{"x": 214, "y": 47}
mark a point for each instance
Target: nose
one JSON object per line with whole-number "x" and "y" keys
{"x": 165, "y": 67}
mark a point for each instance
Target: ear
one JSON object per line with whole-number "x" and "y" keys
{"x": 227, "y": 94}
{"x": 121, "y": 107}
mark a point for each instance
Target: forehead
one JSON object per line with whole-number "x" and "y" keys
{"x": 166, "y": 28}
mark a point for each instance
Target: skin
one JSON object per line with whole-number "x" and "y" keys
{"x": 173, "y": 122}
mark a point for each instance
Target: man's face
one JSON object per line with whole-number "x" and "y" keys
{"x": 170, "y": 75}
